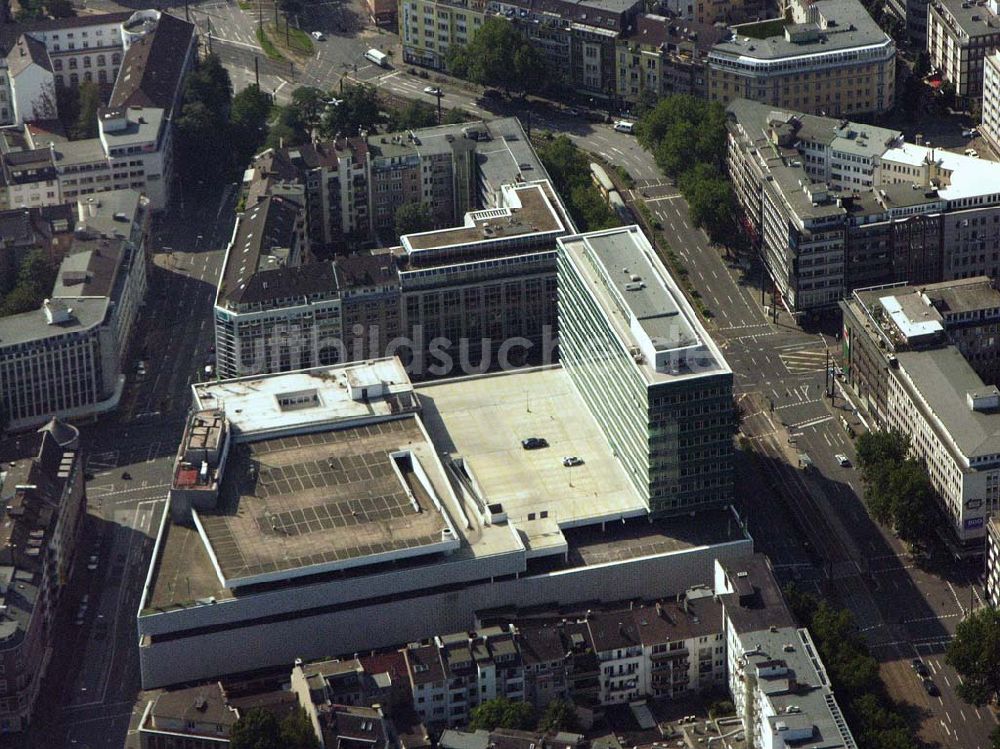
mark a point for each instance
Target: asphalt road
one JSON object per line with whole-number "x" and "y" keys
{"x": 88, "y": 698}
{"x": 813, "y": 524}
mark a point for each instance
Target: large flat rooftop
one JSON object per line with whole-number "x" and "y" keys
{"x": 943, "y": 378}
{"x": 528, "y": 211}
{"x": 483, "y": 420}
{"x": 294, "y": 400}
{"x": 302, "y": 504}
{"x": 643, "y": 303}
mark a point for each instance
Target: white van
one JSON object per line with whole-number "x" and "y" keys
{"x": 378, "y": 57}
{"x": 624, "y": 126}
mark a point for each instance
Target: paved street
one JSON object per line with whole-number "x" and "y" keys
{"x": 903, "y": 610}
{"x": 93, "y": 679}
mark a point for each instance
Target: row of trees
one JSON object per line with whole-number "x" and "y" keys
{"x": 504, "y": 713}
{"x": 570, "y": 171}
{"x": 32, "y": 285}
{"x": 218, "y": 133}
{"x": 499, "y": 56}
{"x": 874, "y": 719}
{"x": 687, "y": 137}
{"x": 347, "y": 112}
{"x": 898, "y": 492}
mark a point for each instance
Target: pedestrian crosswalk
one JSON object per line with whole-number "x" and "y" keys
{"x": 800, "y": 362}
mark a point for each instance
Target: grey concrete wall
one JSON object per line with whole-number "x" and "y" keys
{"x": 365, "y": 628}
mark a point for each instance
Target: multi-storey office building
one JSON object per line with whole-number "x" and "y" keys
{"x": 989, "y": 126}
{"x": 490, "y": 280}
{"x": 487, "y": 283}
{"x": 833, "y": 205}
{"x": 44, "y": 507}
{"x": 960, "y": 35}
{"x": 960, "y": 313}
{"x": 906, "y": 352}
{"x": 629, "y": 336}
{"x": 829, "y": 58}
{"x": 992, "y": 577}
{"x": 140, "y": 60}
{"x": 65, "y": 358}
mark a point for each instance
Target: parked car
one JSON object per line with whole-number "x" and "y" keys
{"x": 318, "y": 36}
{"x": 920, "y": 667}
{"x": 571, "y": 461}
{"x": 972, "y": 152}
{"x": 432, "y": 91}
{"x": 533, "y": 443}
{"x": 92, "y": 563}
{"x": 930, "y": 687}
{"x": 970, "y": 133}
{"x": 492, "y": 93}
{"x": 126, "y": 476}
{"x": 843, "y": 460}
{"x": 624, "y": 126}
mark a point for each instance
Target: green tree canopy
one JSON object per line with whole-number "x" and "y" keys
{"x": 203, "y": 143}
{"x": 559, "y": 715}
{"x": 248, "y": 122}
{"x": 412, "y": 218}
{"x": 359, "y": 109}
{"x": 258, "y": 729}
{"x": 498, "y": 56}
{"x": 35, "y": 278}
{"x": 261, "y": 729}
{"x": 86, "y": 120}
{"x": 415, "y": 114}
{"x": 310, "y": 102}
{"x": 898, "y": 491}
{"x": 975, "y": 654}
{"x": 570, "y": 172}
{"x": 502, "y": 713}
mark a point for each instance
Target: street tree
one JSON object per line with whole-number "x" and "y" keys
{"x": 248, "y": 122}
{"x": 359, "y": 109}
{"x": 559, "y": 715}
{"x": 257, "y": 729}
{"x": 502, "y": 713}
{"x": 310, "y": 103}
{"x": 975, "y": 653}
{"x": 297, "y": 732}
{"x": 412, "y": 218}
{"x": 498, "y": 56}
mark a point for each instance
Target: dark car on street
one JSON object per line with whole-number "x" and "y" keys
{"x": 533, "y": 443}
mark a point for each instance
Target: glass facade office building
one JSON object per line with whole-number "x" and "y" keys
{"x": 647, "y": 370}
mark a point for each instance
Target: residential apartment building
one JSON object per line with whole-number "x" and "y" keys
{"x": 991, "y": 578}
{"x": 429, "y": 28}
{"x": 960, "y": 35}
{"x": 829, "y": 58}
{"x": 66, "y": 357}
{"x": 140, "y": 61}
{"x": 628, "y": 335}
{"x": 352, "y": 187}
{"x": 923, "y": 360}
{"x": 577, "y": 39}
{"x": 489, "y": 277}
{"x": 44, "y": 507}
{"x": 777, "y": 681}
{"x": 832, "y": 205}
{"x": 663, "y": 56}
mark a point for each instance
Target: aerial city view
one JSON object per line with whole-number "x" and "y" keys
{"x": 500, "y": 374}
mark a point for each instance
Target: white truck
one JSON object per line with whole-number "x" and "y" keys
{"x": 378, "y": 57}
